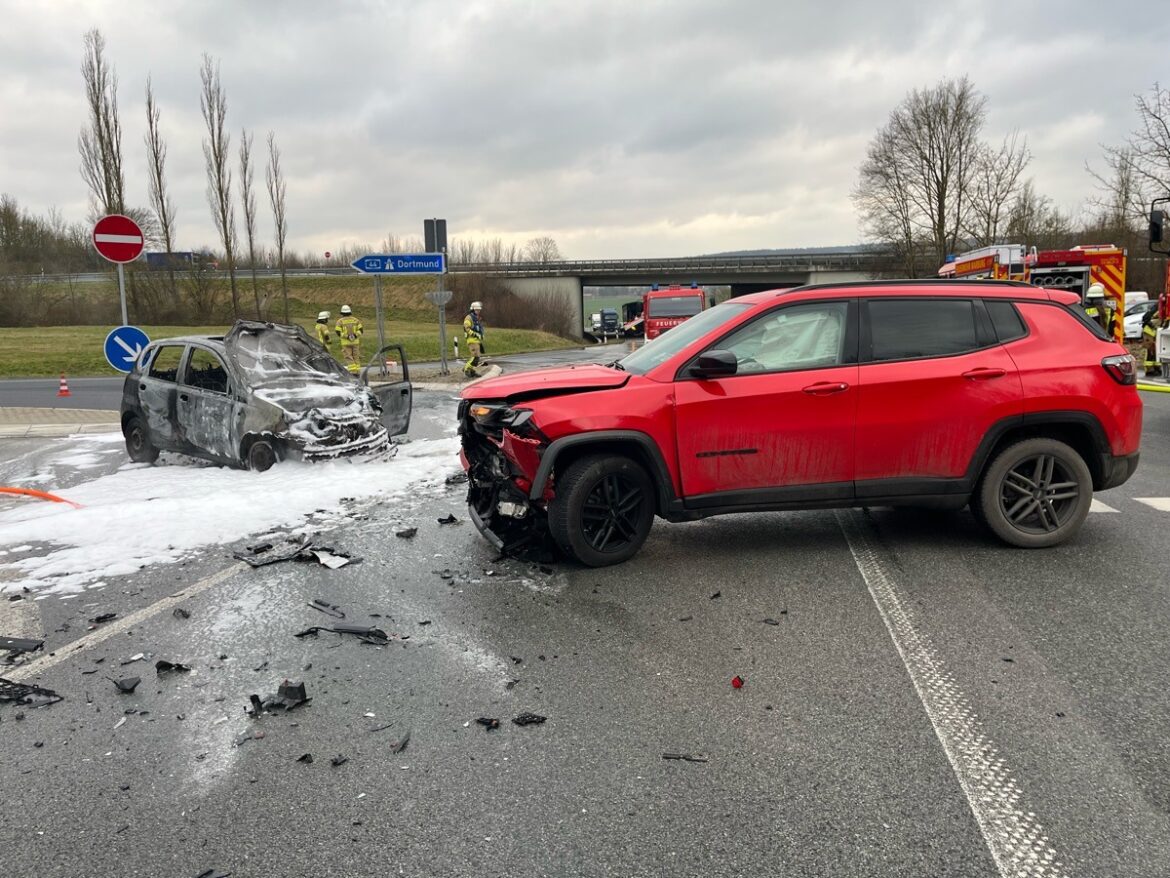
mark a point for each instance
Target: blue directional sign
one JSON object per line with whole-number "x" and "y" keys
{"x": 123, "y": 345}
{"x": 402, "y": 263}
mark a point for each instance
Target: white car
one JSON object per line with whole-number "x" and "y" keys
{"x": 1135, "y": 315}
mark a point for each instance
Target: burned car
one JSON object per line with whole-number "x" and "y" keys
{"x": 257, "y": 395}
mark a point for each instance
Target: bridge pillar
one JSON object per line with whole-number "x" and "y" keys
{"x": 562, "y": 292}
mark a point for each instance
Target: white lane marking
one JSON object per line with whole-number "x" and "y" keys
{"x": 1014, "y": 836}
{"x": 1098, "y": 506}
{"x": 1162, "y": 504}
{"x": 118, "y": 239}
{"x": 123, "y": 624}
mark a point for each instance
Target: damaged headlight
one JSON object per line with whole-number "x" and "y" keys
{"x": 498, "y": 416}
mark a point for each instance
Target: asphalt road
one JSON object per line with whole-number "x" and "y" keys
{"x": 928, "y": 703}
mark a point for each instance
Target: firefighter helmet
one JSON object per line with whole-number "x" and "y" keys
{"x": 477, "y": 306}
{"x": 346, "y": 310}
{"x": 324, "y": 315}
{"x": 1095, "y": 291}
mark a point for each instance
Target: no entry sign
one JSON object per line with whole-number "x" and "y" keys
{"x": 118, "y": 238}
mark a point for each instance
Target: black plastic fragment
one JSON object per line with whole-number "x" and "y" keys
{"x": 27, "y": 694}
{"x": 529, "y": 719}
{"x": 126, "y": 685}
{"x": 375, "y": 636}
{"x": 489, "y": 723}
{"x": 264, "y": 554}
{"x": 771, "y": 622}
{"x": 214, "y": 873}
{"x": 104, "y": 617}
{"x": 406, "y": 533}
{"x": 339, "y": 760}
{"x": 306, "y": 758}
{"x": 327, "y": 608}
{"x": 180, "y": 613}
{"x": 289, "y": 696}
{"x": 685, "y": 757}
{"x": 717, "y": 594}
{"x": 162, "y": 666}
{"x": 20, "y": 645}
{"x": 400, "y": 745}
{"x": 448, "y": 519}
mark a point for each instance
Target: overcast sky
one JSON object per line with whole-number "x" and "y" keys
{"x": 621, "y": 129}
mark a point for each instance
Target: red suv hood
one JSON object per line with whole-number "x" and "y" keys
{"x": 547, "y": 382}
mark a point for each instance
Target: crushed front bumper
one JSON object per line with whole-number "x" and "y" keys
{"x": 315, "y": 451}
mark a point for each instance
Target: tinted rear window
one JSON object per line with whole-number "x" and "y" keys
{"x": 1006, "y": 319}
{"x": 906, "y": 329}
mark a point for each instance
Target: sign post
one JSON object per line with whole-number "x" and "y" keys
{"x": 380, "y": 316}
{"x": 118, "y": 239}
{"x": 435, "y": 241}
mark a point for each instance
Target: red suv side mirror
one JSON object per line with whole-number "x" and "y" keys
{"x": 715, "y": 364}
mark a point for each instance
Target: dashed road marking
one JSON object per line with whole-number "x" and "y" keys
{"x": 1162, "y": 504}
{"x": 123, "y": 624}
{"x": 1098, "y": 506}
{"x": 1014, "y": 836}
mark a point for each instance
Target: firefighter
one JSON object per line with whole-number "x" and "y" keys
{"x": 323, "y": 333}
{"x": 1095, "y": 305}
{"x": 349, "y": 330}
{"x": 1150, "y": 342}
{"x": 473, "y": 334}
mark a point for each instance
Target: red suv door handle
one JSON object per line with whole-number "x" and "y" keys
{"x": 982, "y": 374}
{"x": 824, "y": 388}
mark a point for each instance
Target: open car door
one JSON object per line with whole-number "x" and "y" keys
{"x": 394, "y": 394}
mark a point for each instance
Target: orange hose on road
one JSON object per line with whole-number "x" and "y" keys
{"x": 40, "y": 495}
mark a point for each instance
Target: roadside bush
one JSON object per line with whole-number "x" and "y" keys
{"x": 548, "y": 312}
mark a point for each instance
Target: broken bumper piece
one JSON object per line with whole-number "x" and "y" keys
{"x": 314, "y": 451}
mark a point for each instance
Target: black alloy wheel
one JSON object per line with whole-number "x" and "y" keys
{"x": 1035, "y": 493}
{"x": 603, "y": 509}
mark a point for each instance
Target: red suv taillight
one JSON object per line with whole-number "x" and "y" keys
{"x": 1122, "y": 368}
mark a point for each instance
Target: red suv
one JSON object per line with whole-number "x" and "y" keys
{"x": 994, "y": 394}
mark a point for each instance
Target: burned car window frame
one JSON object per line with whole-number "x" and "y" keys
{"x": 150, "y": 362}
{"x": 188, "y": 369}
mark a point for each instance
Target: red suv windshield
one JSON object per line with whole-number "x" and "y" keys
{"x": 659, "y": 350}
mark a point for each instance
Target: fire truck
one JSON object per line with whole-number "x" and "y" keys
{"x": 665, "y": 308}
{"x": 1075, "y": 270}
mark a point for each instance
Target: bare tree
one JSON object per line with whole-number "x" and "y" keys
{"x": 248, "y": 198}
{"x": 276, "y": 192}
{"x": 997, "y": 181}
{"x": 542, "y": 250}
{"x": 1034, "y": 220}
{"x": 213, "y": 103}
{"x": 100, "y": 144}
{"x": 1139, "y": 169}
{"x": 160, "y": 202}
{"x": 917, "y": 177}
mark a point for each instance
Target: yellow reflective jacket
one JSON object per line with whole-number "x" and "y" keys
{"x": 350, "y": 331}
{"x": 323, "y": 334}
{"x": 473, "y": 327}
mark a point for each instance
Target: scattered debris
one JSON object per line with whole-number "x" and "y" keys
{"x": 127, "y": 685}
{"x": 489, "y": 723}
{"x": 327, "y": 608}
{"x": 1010, "y": 660}
{"x": 180, "y": 613}
{"x": 214, "y": 873}
{"x": 261, "y": 666}
{"x": 331, "y": 558}
{"x": 27, "y": 694}
{"x": 288, "y": 696}
{"x": 685, "y": 757}
{"x": 104, "y": 617}
{"x": 737, "y": 682}
{"x": 458, "y": 478}
{"x": 425, "y": 622}
{"x": 771, "y": 621}
{"x": 685, "y": 618}
{"x": 18, "y": 646}
{"x": 137, "y": 657}
{"x": 339, "y": 760}
{"x": 162, "y": 666}
{"x": 265, "y": 553}
{"x": 381, "y": 728}
{"x": 306, "y": 758}
{"x": 375, "y": 636}
{"x": 119, "y": 723}
{"x": 717, "y": 594}
{"x": 406, "y": 533}
{"x": 449, "y": 519}
{"x": 400, "y": 745}
{"x": 529, "y": 719}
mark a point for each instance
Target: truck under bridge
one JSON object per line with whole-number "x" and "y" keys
{"x": 744, "y": 274}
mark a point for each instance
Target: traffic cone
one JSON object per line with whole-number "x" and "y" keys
{"x": 63, "y": 389}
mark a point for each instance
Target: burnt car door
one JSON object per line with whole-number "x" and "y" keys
{"x": 206, "y": 406}
{"x": 394, "y": 394}
{"x": 158, "y": 392}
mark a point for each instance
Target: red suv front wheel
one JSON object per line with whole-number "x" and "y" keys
{"x": 603, "y": 509}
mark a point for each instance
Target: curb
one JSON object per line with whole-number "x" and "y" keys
{"x": 52, "y": 431}
{"x": 492, "y": 372}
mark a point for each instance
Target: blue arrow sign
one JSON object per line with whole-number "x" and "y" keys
{"x": 402, "y": 263}
{"x": 123, "y": 345}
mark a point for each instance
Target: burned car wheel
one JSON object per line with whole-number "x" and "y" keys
{"x": 138, "y": 444}
{"x": 262, "y": 456}
{"x": 603, "y": 510}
